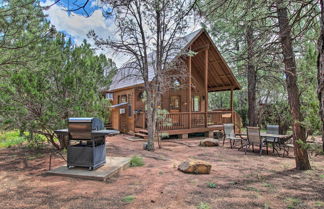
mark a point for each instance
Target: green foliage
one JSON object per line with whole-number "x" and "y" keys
{"x": 11, "y": 138}
{"x": 61, "y": 80}
{"x": 315, "y": 148}
{"x": 22, "y": 28}
{"x": 307, "y": 84}
{"x": 292, "y": 202}
{"x": 212, "y": 185}
{"x": 136, "y": 161}
{"x": 128, "y": 199}
{"x": 319, "y": 204}
{"x": 203, "y": 205}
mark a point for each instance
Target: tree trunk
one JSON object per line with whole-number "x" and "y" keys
{"x": 151, "y": 121}
{"x": 320, "y": 69}
{"x": 251, "y": 78}
{"x": 299, "y": 132}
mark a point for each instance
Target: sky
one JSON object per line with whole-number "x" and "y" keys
{"x": 77, "y": 24}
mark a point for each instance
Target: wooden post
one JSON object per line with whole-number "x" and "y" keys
{"x": 189, "y": 92}
{"x": 232, "y": 109}
{"x": 206, "y": 86}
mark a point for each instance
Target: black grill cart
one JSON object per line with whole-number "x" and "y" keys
{"x": 86, "y": 142}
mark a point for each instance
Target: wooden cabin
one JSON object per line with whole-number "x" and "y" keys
{"x": 187, "y": 107}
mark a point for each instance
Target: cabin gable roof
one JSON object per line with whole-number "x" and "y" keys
{"x": 221, "y": 77}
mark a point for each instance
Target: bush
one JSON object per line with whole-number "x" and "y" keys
{"x": 203, "y": 205}
{"x": 136, "y": 161}
{"x": 128, "y": 199}
{"x": 211, "y": 185}
{"x": 11, "y": 138}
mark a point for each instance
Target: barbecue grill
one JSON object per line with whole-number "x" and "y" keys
{"x": 86, "y": 144}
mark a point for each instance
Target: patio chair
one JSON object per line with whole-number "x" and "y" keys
{"x": 230, "y": 135}
{"x": 286, "y": 144}
{"x": 253, "y": 138}
{"x": 271, "y": 129}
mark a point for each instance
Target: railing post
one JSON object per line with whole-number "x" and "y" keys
{"x": 189, "y": 91}
{"x": 206, "y": 86}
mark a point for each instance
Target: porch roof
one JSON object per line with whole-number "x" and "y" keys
{"x": 119, "y": 105}
{"x": 221, "y": 77}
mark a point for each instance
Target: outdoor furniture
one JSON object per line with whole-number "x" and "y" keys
{"x": 271, "y": 129}
{"x": 230, "y": 135}
{"x": 286, "y": 143}
{"x": 282, "y": 141}
{"x": 253, "y": 138}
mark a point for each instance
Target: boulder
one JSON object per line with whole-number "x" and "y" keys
{"x": 209, "y": 142}
{"x": 195, "y": 167}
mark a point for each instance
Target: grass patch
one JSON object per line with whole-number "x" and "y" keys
{"x": 203, "y": 205}
{"x": 136, "y": 161}
{"x": 319, "y": 204}
{"x": 292, "y": 202}
{"x": 11, "y": 138}
{"x": 128, "y": 199}
{"x": 252, "y": 189}
{"x": 322, "y": 176}
{"x": 267, "y": 185}
{"x": 211, "y": 185}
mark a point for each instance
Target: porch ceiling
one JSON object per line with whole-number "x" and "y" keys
{"x": 220, "y": 76}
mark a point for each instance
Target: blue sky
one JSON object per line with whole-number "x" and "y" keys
{"x": 77, "y": 24}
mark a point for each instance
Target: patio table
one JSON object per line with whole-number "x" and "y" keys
{"x": 277, "y": 139}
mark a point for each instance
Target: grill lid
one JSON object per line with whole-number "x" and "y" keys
{"x": 80, "y": 120}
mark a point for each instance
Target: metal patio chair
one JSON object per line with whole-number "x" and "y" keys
{"x": 286, "y": 144}
{"x": 272, "y": 129}
{"x": 230, "y": 135}
{"x": 253, "y": 138}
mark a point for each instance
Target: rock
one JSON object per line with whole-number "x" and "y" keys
{"x": 209, "y": 142}
{"x": 195, "y": 167}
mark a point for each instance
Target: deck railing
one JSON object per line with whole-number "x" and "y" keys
{"x": 173, "y": 121}
{"x": 181, "y": 120}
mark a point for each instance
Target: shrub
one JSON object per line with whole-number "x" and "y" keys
{"x": 136, "y": 161}
{"x": 211, "y": 185}
{"x": 128, "y": 199}
{"x": 11, "y": 138}
{"x": 292, "y": 202}
{"x": 203, "y": 205}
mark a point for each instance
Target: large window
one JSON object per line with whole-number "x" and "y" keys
{"x": 195, "y": 103}
{"x": 175, "y": 102}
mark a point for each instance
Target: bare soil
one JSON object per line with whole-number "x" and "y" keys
{"x": 239, "y": 180}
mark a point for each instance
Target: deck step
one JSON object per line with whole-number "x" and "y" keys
{"x": 143, "y": 131}
{"x": 141, "y": 135}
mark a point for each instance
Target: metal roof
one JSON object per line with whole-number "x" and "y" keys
{"x": 118, "y": 105}
{"x": 131, "y": 76}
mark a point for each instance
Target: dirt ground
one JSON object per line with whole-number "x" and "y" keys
{"x": 236, "y": 180}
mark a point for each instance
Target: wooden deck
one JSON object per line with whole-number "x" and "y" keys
{"x": 194, "y": 122}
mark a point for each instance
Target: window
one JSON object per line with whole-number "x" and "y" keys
{"x": 175, "y": 102}
{"x": 195, "y": 103}
{"x": 109, "y": 96}
{"x": 130, "y": 110}
{"x": 123, "y": 98}
{"x": 140, "y": 95}
{"x": 176, "y": 84}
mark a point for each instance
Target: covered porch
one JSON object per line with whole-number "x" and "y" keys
{"x": 188, "y": 106}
